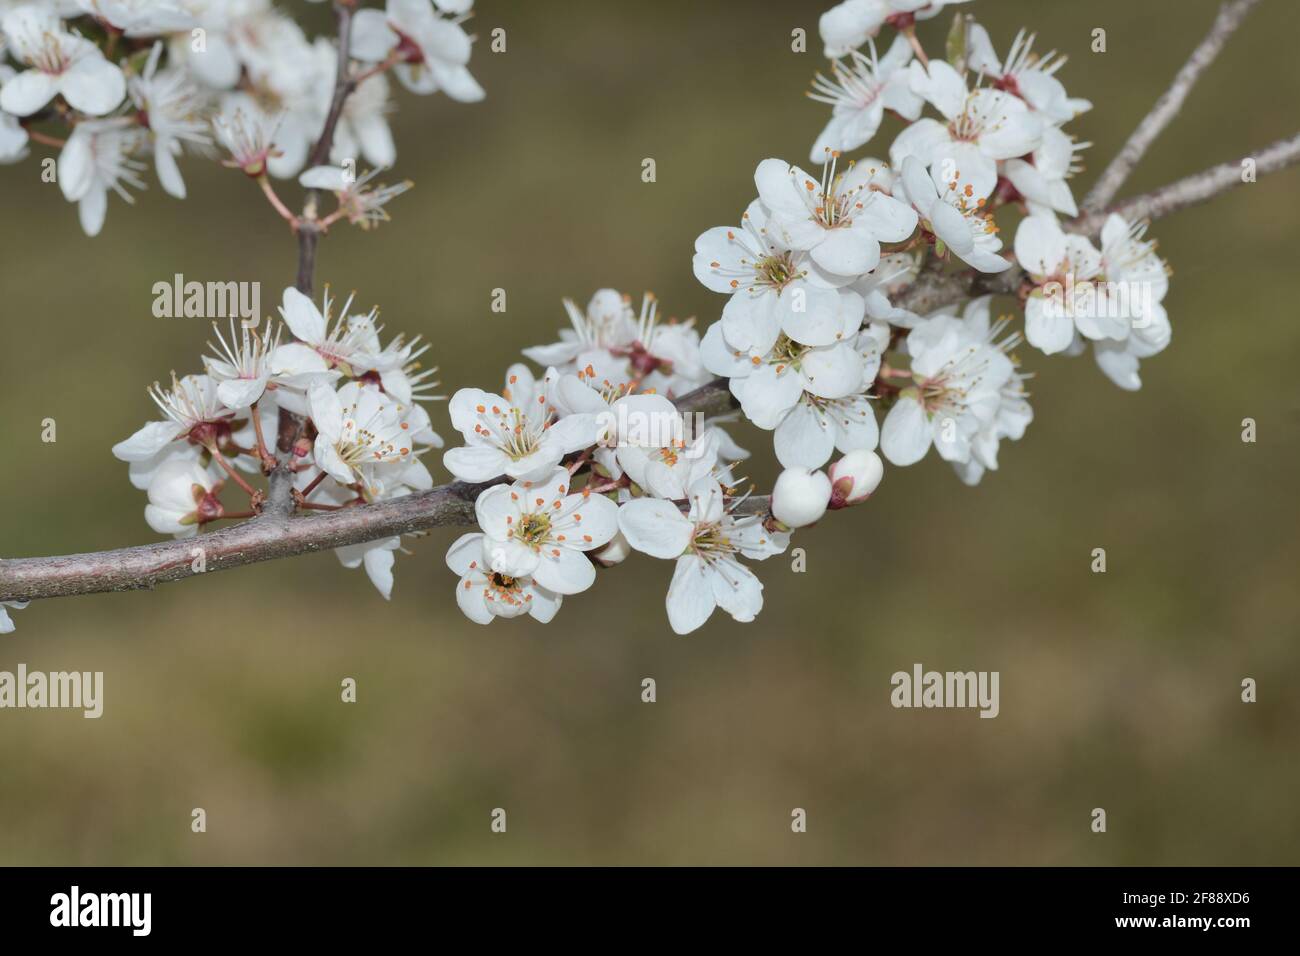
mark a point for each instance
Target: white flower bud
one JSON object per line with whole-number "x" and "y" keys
{"x": 181, "y": 497}
{"x": 800, "y": 497}
{"x": 615, "y": 552}
{"x": 854, "y": 477}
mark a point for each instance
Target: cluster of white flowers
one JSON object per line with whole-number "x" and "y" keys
{"x": 590, "y": 457}
{"x": 365, "y": 427}
{"x": 809, "y": 333}
{"x": 809, "y": 339}
{"x": 114, "y": 83}
{"x": 598, "y": 456}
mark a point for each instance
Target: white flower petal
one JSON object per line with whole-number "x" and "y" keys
{"x": 738, "y": 591}
{"x": 471, "y": 599}
{"x": 690, "y": 598}
{"x": 378, "y": 561}
{"x": 769, "y": 393}
{"x": 466, "y": 553}
{"x": 93, "y": 85}
{"x": 833, "y": 372}
{"x": 1047, "y": 325}
{"x": 574, "y": 432}
{"x": 510, "y": 557}
{"x": 240, "y": 393}
{"x": 595, "y": 526}
{"x": 655, "y": 527}
{"x": 812, "y": 315}
{"x": 147, "y": 441}
{"x": 29, "y": 91}
{"x": 804, "y": 439}
{"x": 564, "y": 570}
{"x": 92, "y": 209}
{"x": 544, "y": 604}
{"x": 906, "y": 435}
{"x": 372, "y": 37}
{"x": 476, "y": 462}
{"x": 497, "y": 511}
{"x": 303, "y": 318}
{"x": 847, "y": 252}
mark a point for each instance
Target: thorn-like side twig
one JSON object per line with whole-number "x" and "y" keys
{"x": 1166, "y": 108}
{"x": 1196, "y": 188}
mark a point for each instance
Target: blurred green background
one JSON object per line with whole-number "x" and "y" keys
{"x": 1118, "y": 690}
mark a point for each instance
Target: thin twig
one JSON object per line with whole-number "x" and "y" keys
{"x": 1196, "y": 188}
{"x": 276, "y": 203}
{"x": 235, "y": 476}
{"x": 1112, "y": 178}
{"x": 36, "y": 136}
{"x": 309, "y": 231}
{"x": 280, "y": 498}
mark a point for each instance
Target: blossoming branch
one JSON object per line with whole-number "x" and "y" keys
{"x": 867, "y": 310}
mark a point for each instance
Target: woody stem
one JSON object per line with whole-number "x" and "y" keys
{"x": 235, "y": 476}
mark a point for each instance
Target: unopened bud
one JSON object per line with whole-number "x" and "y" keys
{"x": 854, "y": 477}
{"x": 800, "y": 497}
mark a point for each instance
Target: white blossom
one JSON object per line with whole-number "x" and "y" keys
{"x": 612, "y": 345}
{"x": 1129, "y": 259}
{"x": 859, "y": 91}
{"x": 193, "y": 417}
{"x": 957, "y": 378}
{"x": 172, "y": 110}
{"x": 433, "y": 49}
{"x": 483, "y": 594}
{"x": 840, "y": 220}
{"x": 1069, "y": 288}
{"x": 1044, "y": 179}
{"x": 241, "y": 366}
{"x": 1025, "y": 74}
{"x": 517, "y": 433}
{"x": 364, "y": 439}
{"x": 706, "y": 544}
{"x": 979, "y": 128}
{"x": 955, "y": 212}
{"x": 848, "y": 25}
{"x": 540, "y": 530}
{"x": 59, "y": 63}
{"x": 773, "y": 287}
{"x": 97, "y": 159}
